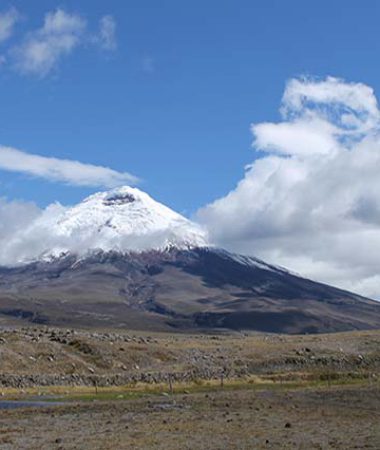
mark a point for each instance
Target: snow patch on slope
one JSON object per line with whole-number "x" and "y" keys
{"x": 251, "y": 261}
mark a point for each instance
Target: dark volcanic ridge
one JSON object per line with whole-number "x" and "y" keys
{"x": 199, "y": 288}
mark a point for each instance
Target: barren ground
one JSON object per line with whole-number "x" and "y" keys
{"x": 235, "y": 391}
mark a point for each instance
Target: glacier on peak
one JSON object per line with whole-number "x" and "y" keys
{"x": 122, "y": 219}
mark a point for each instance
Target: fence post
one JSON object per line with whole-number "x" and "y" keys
{"x": 170, "y": 384}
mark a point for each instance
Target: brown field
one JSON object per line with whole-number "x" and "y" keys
{"x": 162, "y": 391}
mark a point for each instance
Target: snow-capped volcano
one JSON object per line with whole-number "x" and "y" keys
{"x": 127, "y": 219}
{"x": 121, "y": 259}
{"x": 123, "y": 219}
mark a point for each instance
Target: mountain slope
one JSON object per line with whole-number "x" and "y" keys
{"x": 121, "y": 259}
{"x": 177, "y": 289}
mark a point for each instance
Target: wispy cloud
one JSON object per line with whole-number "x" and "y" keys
{"x": 62, "y": 170}
{"x": 8, "y": 20}
{"x": 107, "y": 33}
{"x": 312, "y": 202}
{"x": 40, "y": 51}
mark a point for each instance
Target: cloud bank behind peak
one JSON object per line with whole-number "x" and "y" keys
{"x": 312, "y": 202}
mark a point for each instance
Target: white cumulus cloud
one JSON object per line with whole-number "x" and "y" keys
{"x": 312, "y": 202}
{"x": 22, "y": 236}
{"x": 62, "y": 170}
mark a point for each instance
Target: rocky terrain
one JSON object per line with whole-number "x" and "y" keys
{"x": 323, "y": 418}
{"x": 50, "y": 356}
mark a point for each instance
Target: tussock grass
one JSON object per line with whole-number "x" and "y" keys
{"x": 132, "y": 391}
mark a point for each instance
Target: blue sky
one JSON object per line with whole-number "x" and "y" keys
{"x": 174, "y": 102}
